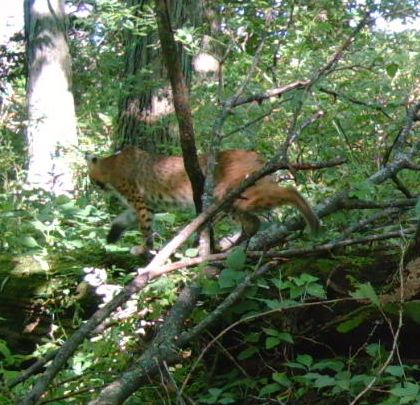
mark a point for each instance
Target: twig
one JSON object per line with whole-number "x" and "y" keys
{"x": 354, "y": 100}
{"x": 394, "y": 348}
{"x": 400, "y": 185}
{"x": 387, "y": 213}
{"x": 33, "y": 369}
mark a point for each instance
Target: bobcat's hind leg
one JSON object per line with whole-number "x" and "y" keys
{"x": 250, "y": 225}
{"x": 145, "y": 219}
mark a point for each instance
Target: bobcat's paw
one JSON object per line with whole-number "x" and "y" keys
{"x": 139, "y": 250}
{"x": 143, "y": 251}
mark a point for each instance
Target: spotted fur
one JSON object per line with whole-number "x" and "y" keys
{"x": 147, "y": 183}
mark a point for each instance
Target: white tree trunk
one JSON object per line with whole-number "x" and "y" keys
{"x": 51, "y": 131}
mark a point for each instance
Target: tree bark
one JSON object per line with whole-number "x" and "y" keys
{"x": 144, "y": 108}
{"x": 51, "y": 114}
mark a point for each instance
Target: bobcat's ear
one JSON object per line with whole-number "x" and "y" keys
{"x": 90, "y": 158}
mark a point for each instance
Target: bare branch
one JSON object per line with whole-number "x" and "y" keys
{"x": 351, "y": 204}
{"x": 401, "y": 138}
{"x": 353, "y": 100}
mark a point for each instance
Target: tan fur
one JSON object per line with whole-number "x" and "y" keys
{"x": 147, "y": 180}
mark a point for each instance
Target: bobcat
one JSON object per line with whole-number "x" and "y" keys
{"x": 148, "y": 183}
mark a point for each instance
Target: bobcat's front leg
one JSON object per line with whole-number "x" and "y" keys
{"x": 145, "y": 219}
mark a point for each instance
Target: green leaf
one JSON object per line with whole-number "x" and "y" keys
{"x": 305, "y": 359}
{"x": 286, "y": 337}
{"x": 4, "y": 350}
{"x": 236, "y": 259}
{"x": 396, "y": 371}
{"x": 293, "y": 364}
{"x": 271, "y": 332}
{"x": 352, "y": 323}
{"x": 364, "y": 291}
{"x": 282, "y": 379}
{"x": 210, "y": 287}
{"x": 227, "y": 400}
{"x": 191, "y": 252}
{"x": 412, "y": 309}
{"x": 247, "y": 353}
{"x": 375, "y": 350}
{"x": 229, "y": 278}
{"x": 328, "y": 364}
{"x": 306, "y": 278}
{"x": 316, "y": 290}
{"x": 253, "y": 337}
{"x": 277, "y": 304}
{"x": 271, "y": 342}
{"x": 269, "y": 389}
{"x": 392, "y": 69}
{"x": 408, "y": 390}
{"x": 324, "y": 381}
{"x": 29, "y": 242}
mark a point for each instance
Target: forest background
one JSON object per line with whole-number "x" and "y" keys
{"x": 324, "y": 92}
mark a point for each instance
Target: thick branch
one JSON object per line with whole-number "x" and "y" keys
{"x": 181, "y": 102}
{"x": 352, "y": 204}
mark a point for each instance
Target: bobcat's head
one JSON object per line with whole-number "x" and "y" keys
{"x": 96, "y": 174}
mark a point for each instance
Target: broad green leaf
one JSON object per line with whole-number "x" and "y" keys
{"x": 271, "y": 342}
{"x": 229, "y": 278}
{"x": 306, "y": 278}
{"x": 392, "y": 69}
{"x": 364, "y": 291}
{"x": 29, "y": 241}
{"x": 282, "y": 379}
{"x": 226, "y": 400}
{"x": 396, "y": 371}
{"x": 4, "y": 350}
{"x": 305, "y": 359}
{"x": 247, "y": 353}
{"x": 316, "y": 290}
{"x": 329, "y": 364}
{"x": 271, "y": 332}
{"x": 375, "y": 350}
{"x": 324, "y": 381}
{"x": 352, "y": 323}
{"x": 236, "y": 259}
{"x": 409, "y": 390}
{"x": 286, "y": 337}
{"x": 210, "y": 287}
{"x": 269, "y": 389}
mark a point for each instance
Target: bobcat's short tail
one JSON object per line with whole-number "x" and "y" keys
{"x": 268, "y": 195}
